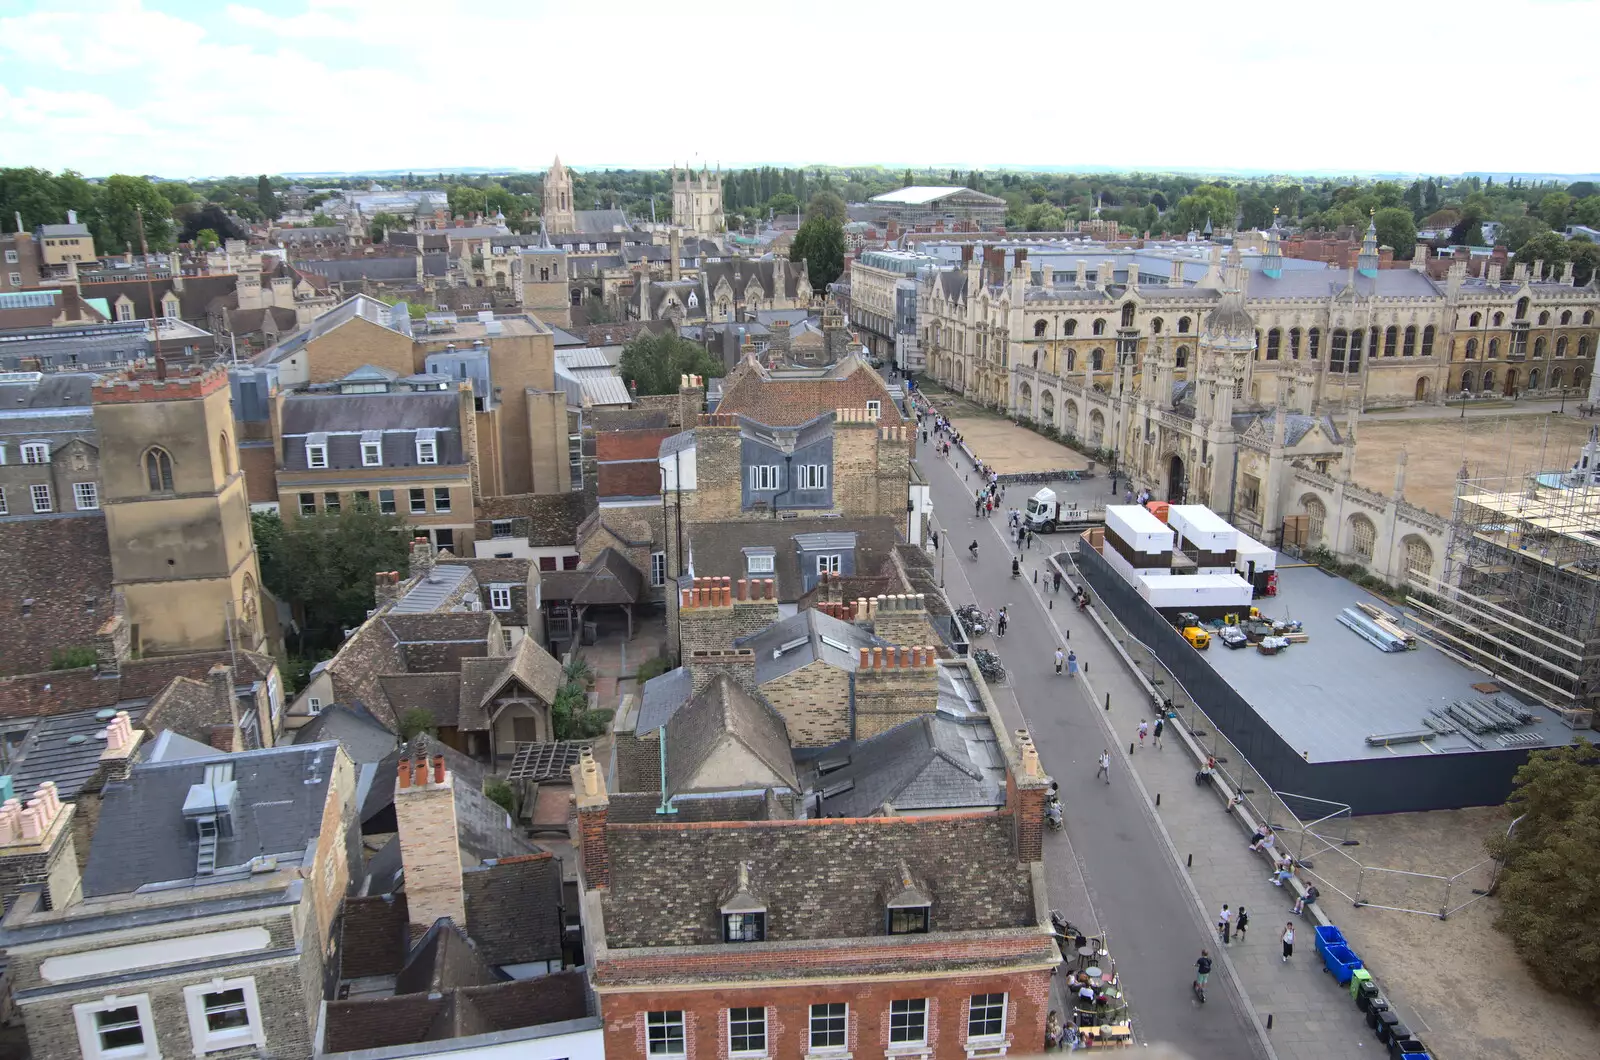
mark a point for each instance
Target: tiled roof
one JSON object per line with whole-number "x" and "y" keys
{"x": 642, "y": 444}
{"x": 514, "y": 908}
{"x": 777, "y": 401}
{"x": 723, "y": 709}
{"x": 793, "y": 642}
{"x": 631, "y": 479}
{"x": 548, "y": 519}
{"x": 439, "y": 694}
{"x": 932, "y": 762}
{"x": 482, "y": 679}
{"x": 608, "y": 579}
{"x": 718, "y": 547}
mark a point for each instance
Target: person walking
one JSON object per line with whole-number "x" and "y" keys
{"x": 1105, "y": 766}
{"x": 1060, "y": 659}
{"x": 1224, "y": 923}
{"x": 1057, "y": 585}
{"x": 1000, "y": 623}
{"x": 1144, "y": 730}
{"x": 1288, "y": 941}
{"x": 1202, "y": 972}
{"x": 1072, "y": 664}
{"x": 1241, "y": 923}
{"x": 1161, "y": 723}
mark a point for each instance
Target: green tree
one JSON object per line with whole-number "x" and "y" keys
{"x": 783, "y": 203}
{"x": 820, "y": 244}
{"x": 322, "y": 220}
{"x": 599, "y": 311}
{"x": 1547, "y": 247}
{"x": 323, "y": 564}
{"x": 828, "y": 206}
{"x": 1549, "y": 890}
{"x": 266, "y": 202}
{"x": 1396, "y": 228}
{"x": 1554, "y": 208}
{"x": 382, "y": 224}
{"x": 1038, "y": 217}
{"x": 73, "y": 658}
{"x": 465, "y": 199}
{"x": 1586, "y": 211}
{"x": 117, "y": 215}
{"x": 414, "y": 723}
{"x": 206, "y": 239}
{"x": 655, "y": 363}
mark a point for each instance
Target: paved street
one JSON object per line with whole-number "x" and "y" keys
{"x": 1130, "y": 884}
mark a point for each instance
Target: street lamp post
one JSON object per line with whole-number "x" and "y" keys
{"x": 1464, "y": 394}
{"x": 1563, "y": 399}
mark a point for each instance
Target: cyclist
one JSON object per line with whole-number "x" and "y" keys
{"x": 973, "y": 548}
{"x": 1202, "y": 972}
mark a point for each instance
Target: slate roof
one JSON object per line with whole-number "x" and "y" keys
{"x": 66, "y": 749}
{"x": 369, "y": 309}
{"x": 663, "y": 695}
{"x": 600, "y": 222}
{"x": 361, "y": 735}
{"x": 1322, "y": 283}
{"x": 819, "y": 879}
{"x": 608, "y": 579}
{"x": 549, "y": 520}
{"x": 514, "y": 910}
{"x": 780, "y": 400}
{"x": 347, "y": 270}
{"x": 934, "y": 762}
{"x": 200, "y": 294}
{"x": 640, "y": 444}
{"x": 803, "y": 638}
{"x": 739, "y": 272}
{"x": 94, "y": 344}
{"x": 345, "y": 418}
{"x": 717, "y": 547}
{"x": 695, "y": 732}
{"x": 439, "y": 694}
{"x": 482, "y": 679}
{"x": 142, "y": 836}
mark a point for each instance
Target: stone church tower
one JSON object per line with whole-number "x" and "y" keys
{"x": 177, "y": 515}
{"x": 559, "y": 215}
{"x": 697, "y": 201}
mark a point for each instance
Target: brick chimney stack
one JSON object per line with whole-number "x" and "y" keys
{"x": 36, "y": 846}
{"x": 894, "y": 685}
{"x": 739, "y": 664}
{"x": 425, "y": 811}
{"x": 593, "y": 802}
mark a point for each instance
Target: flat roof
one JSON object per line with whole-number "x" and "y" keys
{"x": 1138, "y": 518}
{"x": 1324, "y": 697}
{"x": 1200, "y": 519}
{"x": 921, "y": 194}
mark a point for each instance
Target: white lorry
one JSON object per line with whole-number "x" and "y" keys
{"x": 1045, "y": 512}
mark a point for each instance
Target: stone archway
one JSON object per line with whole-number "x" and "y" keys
{"x": 1025, "y": 400}
{"x": 1097, "y": 428}
{"x": 1511, "y": 383}
{"x": 1047, "y": 407}
{"x": 1176, "y": 486}
{"x": 1422, "y": 388}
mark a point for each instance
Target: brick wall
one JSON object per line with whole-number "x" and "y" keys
{"x": 638, "y": 761}
{"x": 374, "y": 935}
{"x": 815, "y": 703}
{"x": 514, "y": 908}
{"x": 55, "y": 588}
{"x": 425, "y": 810}
{"x": 788, "y": 1008}
{"x": 894, "y": 685}
{"x": 902, "y": 619}
{"x": 706, "y": 665}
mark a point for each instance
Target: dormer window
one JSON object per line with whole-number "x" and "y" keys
{"x": 427, "y": 447}
{"x": 36, "y": 453}
{"x": 317, "y": 451}
{"x": 908, "y": 907}
{"x": 371, "y": 449}
{"x": 744, "y": 916}
{"x": 874, "y": 409}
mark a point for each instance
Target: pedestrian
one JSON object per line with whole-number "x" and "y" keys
{"x": 1060, "y": 661}
{"x": 1144, "y": 730}
{"x": 1105, "y": 766}
{"x": 1241, "y": 923}
{"x": 1029, "y": 532}
{"x": 1224, "y": 923}
{"x": 1072, "y": 664}
{"x": 1288, "y": 941}
{"x": 1161, "y": 723}
{"x": 924, "y": 437}
{"x": 1058, "y": 581}
{"x": 1053, "y": 1032}
{"x": 1127, "y": 495}
{"x": 1000, "y": 627}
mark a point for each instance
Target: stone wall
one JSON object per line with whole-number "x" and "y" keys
{"x": 894, "y": 685}
{"x": 815, "y": 703}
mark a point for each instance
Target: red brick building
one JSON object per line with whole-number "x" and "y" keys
{"x": 744, "y": 922}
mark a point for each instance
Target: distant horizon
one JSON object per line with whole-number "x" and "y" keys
{"x": 356, "y": 87}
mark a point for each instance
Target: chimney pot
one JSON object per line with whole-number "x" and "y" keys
{"x": 866, "y": 658}
{"x": 438, "y": 769}
{"x": 403, "y": 777}
{"x": 744, "y": 589}
{"x": 877, "y": 658}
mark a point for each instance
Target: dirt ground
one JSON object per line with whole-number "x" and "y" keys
{"x": 1436, "y": 448}
{"x": 1460, "y": 976}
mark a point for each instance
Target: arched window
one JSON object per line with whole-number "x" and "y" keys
{"x": 1038, "y": 329}
{"x": 1390, "y": 336}
{"x": 1072, "y": 360}
{"x": 1499, "y": 319}
{"x": 1488, "y": 380}
{"x": 1511, "y": 381}
{"x": 1097, "y": 358}
{"x": 1544, "y": 317}
{"x": 1183, "y": 356}
{"x": 1533, "y": 379}
{"x": 1316, "y": 517}
{"x": 1561, "y": 346}
{"x": 1555, "y": 379}
{"x": 1522, "y": 308}
{"x": 1577, "y": 378}
{"x": 225, "y": 454}
{"x": 1419, "y": 557}
{"x": 1099, "y": 326}
{"x": 1363, "y": 535}
{"x": 1427, "y": 341}
{"x": 1472, "y": 348}
{"x": 1036, "y": 358}
{"x": 1566, "y": 316}
{"x": 1072, "y": 327}
{"x": 158, "y": 468}
{"x": 1127, "y": 314}
{"x": 1155, "y": 326}
{"x": 1183, "y": 325}
{"x": 1538, "y": 346}
{"x": 1583, "y": 346}
{"x": 1466, "y": 381}
{"x": 1372, "y": 343}
{"x": 1314, "y": 343}
{"x": 1410, "y": 349}
{"x": 1259, "y": 346}
{"x": 1341, "y": 340}
{"x": 1494, "y": 349}
{"x": 1274, "y": 342}
{"x": 1588, "y": 316}
{"x": 1477, "y": 319}
{"x": 1354, "y": 364}
{"x": 1294, "y": 344}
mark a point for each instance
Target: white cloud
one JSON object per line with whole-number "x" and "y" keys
{"x": 366, "y": 84}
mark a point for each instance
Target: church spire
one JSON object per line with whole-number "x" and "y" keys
{"x": 1272, "y": 260}
{"x": 1367, "y": 263}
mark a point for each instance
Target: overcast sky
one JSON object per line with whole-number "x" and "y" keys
{"x": 202, "y": 87}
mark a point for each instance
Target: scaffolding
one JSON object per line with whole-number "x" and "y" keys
{"x": 1520, "y": 591}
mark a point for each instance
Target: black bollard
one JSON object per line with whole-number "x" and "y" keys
{"x": 1190, "y": 862}
{"x": 1108, "y": 701}
{"x": 1158, "y": 798}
